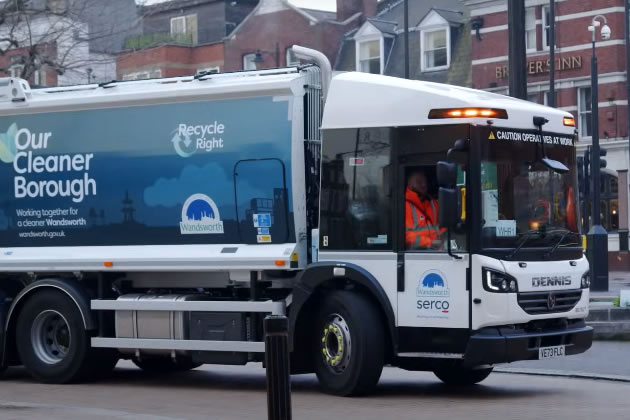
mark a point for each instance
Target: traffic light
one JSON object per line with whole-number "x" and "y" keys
{"x": 587, "y": 162}
{"x": 602, "y": 154}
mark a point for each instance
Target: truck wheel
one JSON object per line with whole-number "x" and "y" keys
{"x": 51, "y": 339}
{"x": 165, "y": 364}
{"x": 349, "y": 344}
{"x": 458, "y": 375}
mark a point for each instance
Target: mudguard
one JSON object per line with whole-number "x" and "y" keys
{"x": 318, "y": 273}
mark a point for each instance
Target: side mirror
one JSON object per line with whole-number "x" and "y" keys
{"x": 449, "y": 209}
{"x": 446, "y": 174}
{"x": 554, "y": 165}
{"x": 460, "y": 148}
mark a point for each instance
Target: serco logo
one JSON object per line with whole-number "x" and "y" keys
{"x": 433, "y": 294}
{"x": 200, "y": 215}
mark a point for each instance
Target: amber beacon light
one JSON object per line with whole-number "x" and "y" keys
{"x": 569, "y": 121}
{"x": 468, "y": 113}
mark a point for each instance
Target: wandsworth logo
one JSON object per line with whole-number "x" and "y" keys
{"x": 432, "y": 284}
{"x": 200, "y": 215}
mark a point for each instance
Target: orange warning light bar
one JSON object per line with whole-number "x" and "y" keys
{"x": 468, "y": 113}
{"x": 569, "y": 121}
{"x": 108, "y": 263}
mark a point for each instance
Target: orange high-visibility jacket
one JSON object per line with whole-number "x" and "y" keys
{"x": 421, "y": 221}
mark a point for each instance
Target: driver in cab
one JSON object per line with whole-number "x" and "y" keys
{"x": 422, "y": 229}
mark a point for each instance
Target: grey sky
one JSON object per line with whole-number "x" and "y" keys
{"x": 311, "y": 4}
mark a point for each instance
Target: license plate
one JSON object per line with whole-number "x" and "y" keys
{"x": 551, "y": 352}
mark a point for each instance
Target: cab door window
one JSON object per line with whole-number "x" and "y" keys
{"x": 419, "y": 151}
{"x": 355, "y": 206}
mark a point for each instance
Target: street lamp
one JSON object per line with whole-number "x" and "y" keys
{"x": 597, "y": 247}
{"x": 89, "y": 74}
{"x": 258, "y": 58}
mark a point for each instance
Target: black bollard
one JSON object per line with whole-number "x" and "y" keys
{"x": 277, "y": 367}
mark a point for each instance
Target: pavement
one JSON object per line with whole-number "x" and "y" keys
{"x": 605, "y": 360}
{"x": 617, "y": 280}
{"x": 226, "y": 393}
{"x": 610, "y": 322}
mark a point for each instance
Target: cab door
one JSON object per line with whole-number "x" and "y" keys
{"x": 433, "y": 289}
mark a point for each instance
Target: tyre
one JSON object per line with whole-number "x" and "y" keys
{"x": 457, "y": 375}
{"x": 349, "y": 344}
{"x": 52, "y": 341}
{"x": 165, "y": 364}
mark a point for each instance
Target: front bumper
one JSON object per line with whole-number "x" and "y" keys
{"x": 493, "y": 345}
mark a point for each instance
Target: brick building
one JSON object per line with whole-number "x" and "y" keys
{"x": 573, "y": 55}
{"x": 180, "y": 38}
{"x": 169, "y": 61}
{"x": 264, "y": 38}
{"x": 439, "y": 42}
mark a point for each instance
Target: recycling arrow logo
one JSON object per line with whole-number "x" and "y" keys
{"x": 178, "y": 141}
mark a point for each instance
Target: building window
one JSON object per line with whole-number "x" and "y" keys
{"x": 530, "y": 29}
{"x": 546, "y": 21}
{"x": 184, "y": 29}
{"x": 370, "y": 56}
{"x": 37, "y": 78}
{"x": 614, "y": 215}
{"x": 249, "y": 61}
{"x": 209, "y": 70}
{"x": 584, "y": 108}
{"x": 142, "y": 75}
{"x": 435, "y": 49}
{"x": 16, "y": 66}
{"x": 547, "y": 98}
{"x": 533, "y": 97}
{"x": 292, "y": 60}
{"x": 614, "y": 185}
{"x": 16, "y": 70}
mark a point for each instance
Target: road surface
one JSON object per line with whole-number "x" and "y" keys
{"x": 604, "y": 358}
{"x": 225, "y": 393}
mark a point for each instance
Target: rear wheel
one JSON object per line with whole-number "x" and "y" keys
{"x": 458, "y": 375}
{"x": 349, "y": 345}
{"x": 52, "y": 341}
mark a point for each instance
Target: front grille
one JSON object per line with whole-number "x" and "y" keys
{"x": 539, "y": 303}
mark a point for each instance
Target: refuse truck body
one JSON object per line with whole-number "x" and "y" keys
{"x": 162, "y": 220}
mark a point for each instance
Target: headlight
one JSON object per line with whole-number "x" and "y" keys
{"x": 586, "y": 280}
{"x": 498, "y": 282}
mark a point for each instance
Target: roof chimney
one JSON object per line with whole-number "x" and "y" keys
{"x": 348, "y": 8}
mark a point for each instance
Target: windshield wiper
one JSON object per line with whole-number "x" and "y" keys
{"x": 557, "y": 244}
{"x": 519, "y": 246}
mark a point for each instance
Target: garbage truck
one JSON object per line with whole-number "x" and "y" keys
{"x": 162, "y": 220}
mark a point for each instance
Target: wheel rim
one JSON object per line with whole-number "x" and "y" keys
{"x": 51, "y": 337}
{"x": 336, "y": 346}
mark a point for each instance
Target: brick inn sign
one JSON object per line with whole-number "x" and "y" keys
{"x": 536, "y": 67}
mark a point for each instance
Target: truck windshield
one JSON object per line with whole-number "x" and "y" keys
{"x": 524, "y": 203}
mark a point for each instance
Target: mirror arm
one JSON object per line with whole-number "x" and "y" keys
{"x": 448, "y": 245}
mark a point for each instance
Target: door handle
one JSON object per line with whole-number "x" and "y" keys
{"x": 400, "y": 273}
